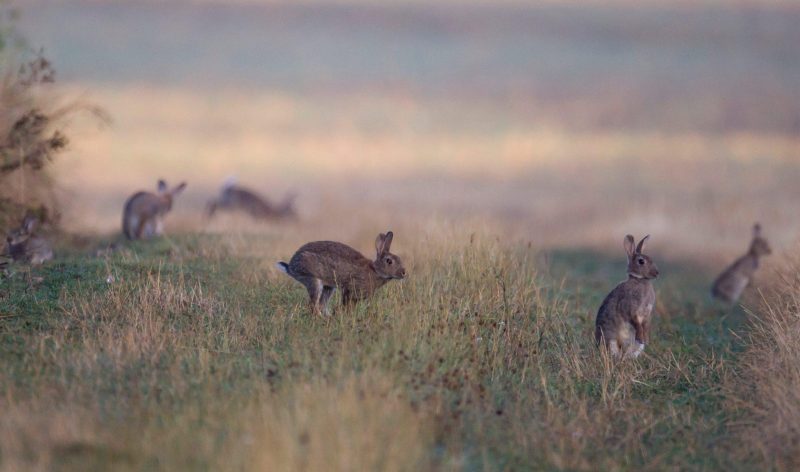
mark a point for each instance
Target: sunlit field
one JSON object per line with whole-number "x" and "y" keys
{"x": 509, "y": 185}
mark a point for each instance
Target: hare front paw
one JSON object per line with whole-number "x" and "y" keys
{"x": 636, "y": 350}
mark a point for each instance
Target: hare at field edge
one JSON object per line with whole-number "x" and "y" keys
{"x": 323, "y": 266}
{"x": 623, "y": 320}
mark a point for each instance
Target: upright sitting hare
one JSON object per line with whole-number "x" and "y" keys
{"x": 234, "y": 197}
{"x": 623, "y": 321}
{"x": 25, "y": 246}
{"x": 730, "y": 284}
{"x": 324, "y": 265}
{"x": 144, "y": 211}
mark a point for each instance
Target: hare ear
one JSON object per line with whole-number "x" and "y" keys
{"x": 29, "y": 223}
{"x": 383, "y": 242}
{"x": 756, "y": 230}
{"x": 387, "y": 242}
{"x": 629, "y": 246}
{"x": 640, "y": 247}
{"x": 179, "y": 188}
{"x": 162, "y": 186}
{"x": 379, "y": 241}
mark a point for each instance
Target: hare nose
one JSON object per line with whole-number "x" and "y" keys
{"x": 402, "y": 272}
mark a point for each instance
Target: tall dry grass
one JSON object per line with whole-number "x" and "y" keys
{"x": 768, "y": 386}
{"x": 198, "y": 355}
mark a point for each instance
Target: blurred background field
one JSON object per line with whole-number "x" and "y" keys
{"x": 509, "y": 145}
{"x": 567, "y": 120}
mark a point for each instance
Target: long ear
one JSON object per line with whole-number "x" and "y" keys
{"x": 628, "y": 244}
{"x": 383, "y": 242}
{"x": 178, "y": 189}
{"x": 162, "y": 186}
{"x": 387, "y": 243}
{"x": 640, "y": 247}
{"x": 756, "y": 230}
{"x": 379, "y": 244}
{"x": 29, "y": 223}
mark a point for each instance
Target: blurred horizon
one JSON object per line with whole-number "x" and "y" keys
{"x": 667, "y": 67}
{"x": 578, "y": 118}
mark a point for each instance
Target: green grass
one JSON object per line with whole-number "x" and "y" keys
{"x": 198, "y": 356}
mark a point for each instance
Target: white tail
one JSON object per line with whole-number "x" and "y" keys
{"x": 284, "y": 267}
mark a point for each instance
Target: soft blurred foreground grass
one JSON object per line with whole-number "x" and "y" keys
{"x": 767, "y": 381}
{"x": 192, "y": 353}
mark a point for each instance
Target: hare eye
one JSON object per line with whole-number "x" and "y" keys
{"x": 641, "y": 261}
{"x": 388, "y": 261}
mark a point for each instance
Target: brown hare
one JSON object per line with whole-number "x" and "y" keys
{"x": 237, "y": 198}
{"x": 144, "y": 211}
{"x": 323, "y": 266}
{"x": 731, "y": 283}
{"x": 623, "y": 320}
{"x": 24, "y": 245}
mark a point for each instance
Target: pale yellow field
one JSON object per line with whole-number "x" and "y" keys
{"x": 392, "y": 159}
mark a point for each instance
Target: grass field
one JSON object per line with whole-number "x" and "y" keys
{"x": 509, "y": 149}
{"x": 192, "y": 352}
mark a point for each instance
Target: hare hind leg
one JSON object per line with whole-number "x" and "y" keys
{"x": 314, "y": 287}
{"x": 613, "y": 348}
{"x": 327, "y": 292}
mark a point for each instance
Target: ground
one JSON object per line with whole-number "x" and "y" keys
{"x": 510, "y": 148}
{"x": 191, "y": 352}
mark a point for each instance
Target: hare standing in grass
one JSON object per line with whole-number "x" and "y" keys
{"x": 144, "y": 212}
{"x": 324, "y": 265}
{"x": 24, "y": 245}
{"x": 731, "y": 283}
{"x": 234, "y": 197}
{"x": 623, "y": 321}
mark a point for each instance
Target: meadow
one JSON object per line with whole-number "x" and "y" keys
{"x": 193, "y": 352}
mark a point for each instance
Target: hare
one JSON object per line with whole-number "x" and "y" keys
{"x": 623, "y": 320}
{"x": 731, "y": 283}
{"x": 324, "y": 265}
{"x": 235, "y": 197}
{"x": 25, "y": 246}
{"x": 144, "y": 211}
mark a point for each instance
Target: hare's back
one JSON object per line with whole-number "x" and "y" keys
{"x": 332, "y": 249}
{"x": 325, "y": 258}
{"x": 243, "y": 198}
{"x": 39, "y": 250}
{"x": 628, "y": 300}
{"x": 142, "y": 202}
{"x": 608, "y": 323}
{"x": 730, "y": 285}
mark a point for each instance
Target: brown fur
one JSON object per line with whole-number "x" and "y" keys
{"x": 323, "y": 266}
{"x": 234, "y": 197}
{"x": 623, "y": 320}
{"x": 729, "y": 286}
{"x": 144, "y": 212}
{"x": 23, "y": 245}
